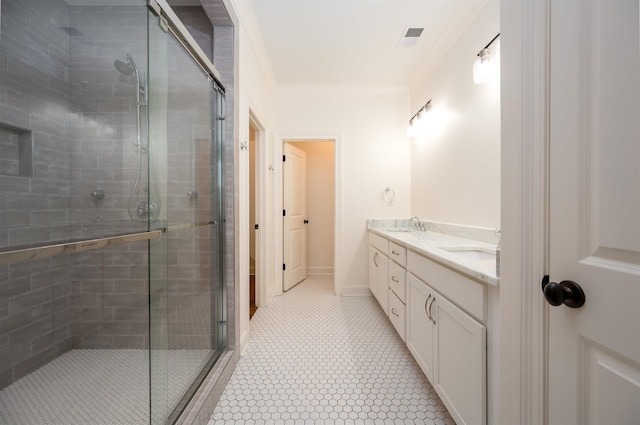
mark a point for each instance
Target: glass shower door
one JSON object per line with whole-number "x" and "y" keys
{"x": 187, "y": 325}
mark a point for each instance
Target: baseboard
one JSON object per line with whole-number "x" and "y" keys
{"x": 319, "y": 271}
{"x": 355, "y": 291}
{"x": 244, "y": 341}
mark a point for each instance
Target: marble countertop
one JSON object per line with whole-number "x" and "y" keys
{"x": 468, "y": 250}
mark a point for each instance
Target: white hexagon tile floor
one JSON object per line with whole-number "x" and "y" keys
{"x": 316, "y": 358}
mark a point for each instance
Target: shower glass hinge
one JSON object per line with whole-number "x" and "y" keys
{"x": 221, "y": 117}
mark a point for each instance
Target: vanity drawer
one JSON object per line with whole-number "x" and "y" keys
{"x": 398, "y": 280}
{"x": 379, "y": 242}
{"x": 398, "y": 253}
{"x": 462, "y": 291}
{"x": 396, "y": 314}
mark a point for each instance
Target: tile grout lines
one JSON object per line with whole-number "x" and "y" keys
{"x": 317, "y": 358}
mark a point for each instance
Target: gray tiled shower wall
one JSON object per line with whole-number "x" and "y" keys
{"x": 58, "y": 82}
{"x": 110, "y": 286}
{"x": 35, "y": 297}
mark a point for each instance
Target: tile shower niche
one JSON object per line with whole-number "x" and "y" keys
{"x": 16, "y": 151}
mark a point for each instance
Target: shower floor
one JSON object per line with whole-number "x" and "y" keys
{"x": 109, "y": 387}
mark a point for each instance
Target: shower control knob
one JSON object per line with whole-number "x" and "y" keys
{"x": 97, "y": 195}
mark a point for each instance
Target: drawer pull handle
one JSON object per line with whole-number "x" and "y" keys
{"x": 393, "y": 311}
{"x": 394, "y": 252}
{"x": 430, "y": 313}
{"x": 425, "y": 307}
{"x": 395, "y": 279}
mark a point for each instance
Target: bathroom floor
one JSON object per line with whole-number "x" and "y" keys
{"x": 314, "y": 357}
{"x": 107, "y": 387}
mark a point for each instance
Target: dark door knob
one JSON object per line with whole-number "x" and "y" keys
{"x": 566, "y": 292}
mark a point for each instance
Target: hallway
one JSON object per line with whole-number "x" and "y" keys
{"x": 315, "y": 357}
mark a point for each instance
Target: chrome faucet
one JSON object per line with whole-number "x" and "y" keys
{"x": 417, "y": 224}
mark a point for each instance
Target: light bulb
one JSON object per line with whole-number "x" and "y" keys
{"x": 483, "y": 68}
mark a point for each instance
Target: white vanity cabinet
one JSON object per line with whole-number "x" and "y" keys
{"x": 397, "y": 287}
{"x": 387, "y": 279}
{"x": 445, "y": 306}
{"x": 450, "y": 346}
{"x": 419, "y": 331}
{"x": 379, "y": 270}
{"x": 460, "y": 362}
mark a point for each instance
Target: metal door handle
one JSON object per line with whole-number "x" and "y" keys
{"x": 566, "y": 292}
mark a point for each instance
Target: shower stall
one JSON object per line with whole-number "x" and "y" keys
{"x": 113, "y": 128}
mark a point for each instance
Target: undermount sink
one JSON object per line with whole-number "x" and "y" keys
{"x": 472, "y": 253}
{"x": 398, "y": 230}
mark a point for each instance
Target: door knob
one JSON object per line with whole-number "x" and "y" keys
{"x": 566, "y": 292}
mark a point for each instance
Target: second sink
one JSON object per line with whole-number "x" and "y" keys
{"x": 472, "y": 253}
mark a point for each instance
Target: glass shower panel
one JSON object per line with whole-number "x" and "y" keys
{"x": 187, "y": 323}
{"x": 74, "y": 321}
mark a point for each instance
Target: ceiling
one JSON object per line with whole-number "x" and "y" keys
{"x": 350, "y": 41}
{"x": 346, "y": 41}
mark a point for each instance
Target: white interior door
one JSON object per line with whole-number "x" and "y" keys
{"x": 295, "y": 214}
{"x": 594, "y": 351}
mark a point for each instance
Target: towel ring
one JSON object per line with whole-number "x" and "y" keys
{"x": 388, "y": 195}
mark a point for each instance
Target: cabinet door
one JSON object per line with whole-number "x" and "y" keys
{"x": 378, "y": 277}
{"x": 397, "y": 312}
{"x": 372, "y": 270}
{"x": 419, "y": 329}
{"x": 460, "y": 362}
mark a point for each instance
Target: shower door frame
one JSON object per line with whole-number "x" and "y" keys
{"x": 171, "y": 23}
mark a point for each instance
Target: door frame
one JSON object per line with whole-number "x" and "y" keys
{"x": 261, "y": 187}
{"x": 524, "y": 210}
{"x": 278, "y": 148}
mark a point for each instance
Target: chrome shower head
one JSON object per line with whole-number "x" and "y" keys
{"x": 126, "y": 65}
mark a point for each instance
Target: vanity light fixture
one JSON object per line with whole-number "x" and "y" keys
{"x": 415, "y": 119}
{"x": 484, "y": 66}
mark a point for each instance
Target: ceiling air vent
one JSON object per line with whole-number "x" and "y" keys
{"x": 410, "y": 36}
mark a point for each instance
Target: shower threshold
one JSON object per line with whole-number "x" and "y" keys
{"x": 100, "y": 386}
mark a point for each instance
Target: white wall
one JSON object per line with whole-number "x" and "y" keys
{"x": 372, "y": 152}
{"x": 455, "y": 172}
{"x": 255, "y": 83}
{"x": 320, "y": 206}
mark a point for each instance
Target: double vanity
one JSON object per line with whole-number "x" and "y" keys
{"x": 437, "y": 283}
